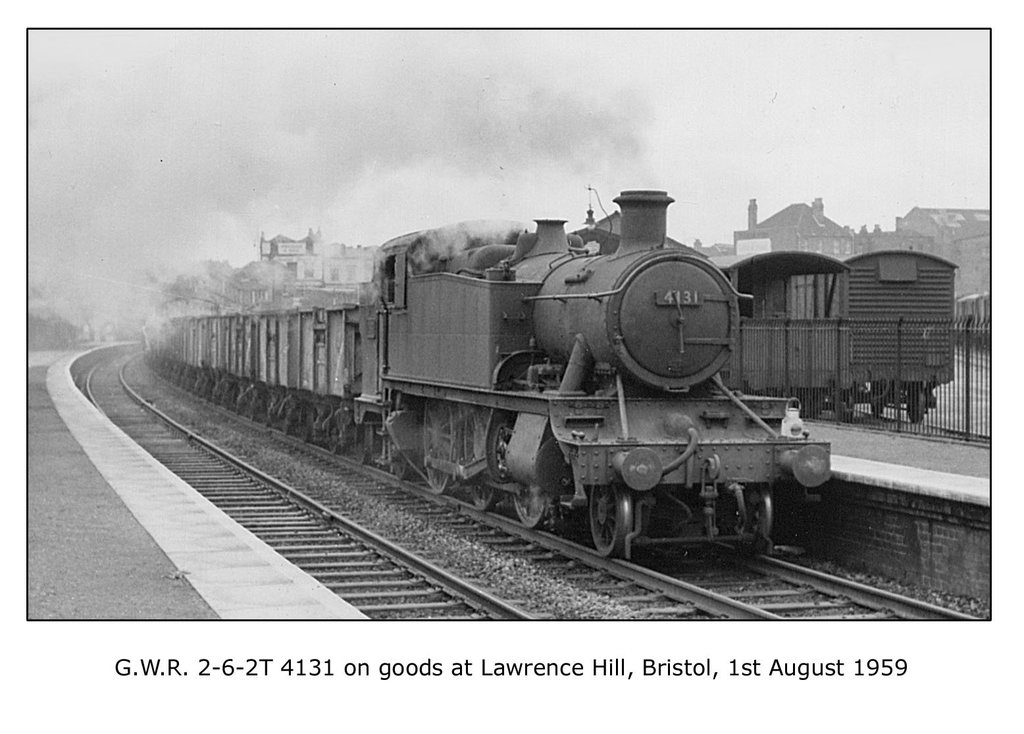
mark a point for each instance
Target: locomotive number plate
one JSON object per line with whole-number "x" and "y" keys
{"x": 675, "y": 298}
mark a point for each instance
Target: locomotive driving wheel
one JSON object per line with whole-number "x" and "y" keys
{"x": 532, "y": 506}
{"x": 338, "y": 433}
{"x": 611, "y": 519}
{"x": 498, "y": 436}
{"x": 499, "y": 433}
{"x": 472, "y": 443}
{"x": 483, "y": 496}
{"x": 439, "y": 443}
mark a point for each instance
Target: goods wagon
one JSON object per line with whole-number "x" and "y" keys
{"x": 875, "y": 328}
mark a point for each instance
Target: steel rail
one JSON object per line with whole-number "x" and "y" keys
{"x": 477, "y": 597}
{"x": 674, "y": 589}
{"x": 87, "y": 389}
{"x": 857, "y": 592}
{"x": 677, "y": 590}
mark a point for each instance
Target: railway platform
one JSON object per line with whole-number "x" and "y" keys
{"x": 112, "y": 534}
{"x": 915, "y": 465}
{"x": 904, "y": 507}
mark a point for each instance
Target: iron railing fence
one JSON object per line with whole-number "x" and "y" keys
{"x": 922, "y": 376}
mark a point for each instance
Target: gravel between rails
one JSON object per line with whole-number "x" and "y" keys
{"x": 509, "y": 576}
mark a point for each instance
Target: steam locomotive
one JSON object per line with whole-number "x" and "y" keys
{"x": 518, "y": 365}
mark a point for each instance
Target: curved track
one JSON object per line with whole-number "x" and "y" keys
{"x": 376, "y": 576}
{"x": 724, "y": 584}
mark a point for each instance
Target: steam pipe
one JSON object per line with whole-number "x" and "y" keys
{"x": 691, "y": 447}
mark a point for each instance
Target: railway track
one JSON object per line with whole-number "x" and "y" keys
{"x": 377, "y": 576}
{"x": 730, "y": 584}
{"x": 724, "y": 584}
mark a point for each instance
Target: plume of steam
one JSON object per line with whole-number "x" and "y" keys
{"x": 426, "y": 250}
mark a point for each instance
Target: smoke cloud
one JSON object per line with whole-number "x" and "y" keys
{"x": 149, "y": 150}
{"x": 152, "y": 150}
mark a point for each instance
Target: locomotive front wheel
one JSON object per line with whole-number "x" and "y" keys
{"x": 761, "y": 520}
{"x": 531, "y": 507}
{"x": 611, "y": 519}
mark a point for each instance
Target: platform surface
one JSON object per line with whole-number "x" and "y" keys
{"x": 113, "y": 534}
{"x": 938, "y": 468}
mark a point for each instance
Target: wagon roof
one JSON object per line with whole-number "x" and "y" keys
{"x": 782, "y": 263}
{"x": 864, "y": 256}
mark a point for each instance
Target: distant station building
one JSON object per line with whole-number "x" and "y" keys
{"x": 798, "y": 227}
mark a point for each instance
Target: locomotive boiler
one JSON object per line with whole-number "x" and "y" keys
{"x": 501, "y": 363}
{"x": 518, "y": 364}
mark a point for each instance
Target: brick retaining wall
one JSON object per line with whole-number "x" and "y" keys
{"x": 927, "y": 541}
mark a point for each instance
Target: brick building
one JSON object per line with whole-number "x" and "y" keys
{"x": 877, "y": 240}
{"x": 313, "y": 264}
{"x": 798, "y": 227}
{"x": 962, "y": 236}
{"x": 344, "y": 265}
{"x": 300, "y": 256}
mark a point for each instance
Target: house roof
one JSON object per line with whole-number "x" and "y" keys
{"x": 957, "y": 224}
{"x": 719, "y": 249}
{"x": 954, "y": 217}
{"x": 802, "y": 218}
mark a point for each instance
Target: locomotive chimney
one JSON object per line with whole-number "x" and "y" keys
{"x": 643, "y": 219}
{"x": 550, "y": 237}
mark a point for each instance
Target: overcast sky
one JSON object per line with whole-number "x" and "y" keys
{"x": 152, "y": 148}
